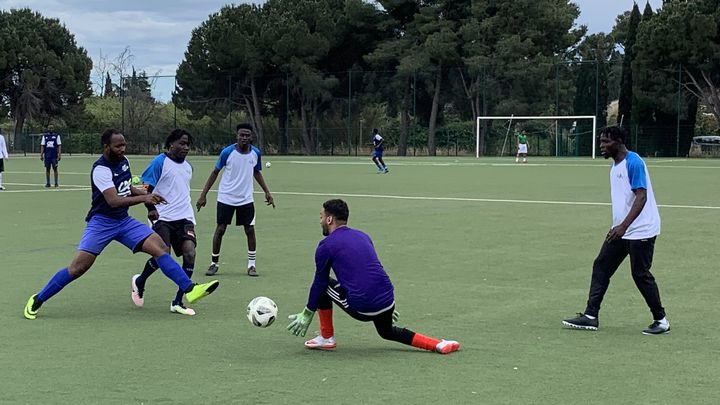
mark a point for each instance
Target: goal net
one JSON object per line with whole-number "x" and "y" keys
{"x": 570, "y": 135}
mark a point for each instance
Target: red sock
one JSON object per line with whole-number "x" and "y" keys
{"x": 424, "y": 342}
{"x": 326, "y": 324}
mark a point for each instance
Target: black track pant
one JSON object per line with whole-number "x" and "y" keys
{"x": 607, "y": 262}
{"x": 383, "y": 321}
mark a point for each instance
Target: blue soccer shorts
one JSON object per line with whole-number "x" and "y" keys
{"x": 377, "y": 154}
{"x": 51, "y": 162}
{"x": 102, "y": 230}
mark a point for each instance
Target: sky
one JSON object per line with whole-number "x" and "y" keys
{"x": 157, "y": 31}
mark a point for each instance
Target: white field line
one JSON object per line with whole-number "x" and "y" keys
{"x": 401, "y": 197}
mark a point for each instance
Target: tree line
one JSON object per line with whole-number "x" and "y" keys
{"x": 300, "y": 69}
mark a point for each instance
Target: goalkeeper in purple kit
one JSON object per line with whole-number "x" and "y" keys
{"x": 362, "y": 289}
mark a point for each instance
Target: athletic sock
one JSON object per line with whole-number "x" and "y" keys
{"x": 174, "y": 272}
{"x": 150, "y": 267}
{"x": 326, "y": 323}
{"x": 424, "y": 342}
{"x": 251, "y": 258}
{"x": 47, "y": 179}
{"x": 1, "y": 175}
{"x": 179, "y": 296}
{"x": 56, "y": 180}
{"x": 56, "y": 283}
{"x": 215, "y": 258}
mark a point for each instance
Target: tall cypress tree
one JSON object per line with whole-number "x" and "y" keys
{"x": 626, "y": 82}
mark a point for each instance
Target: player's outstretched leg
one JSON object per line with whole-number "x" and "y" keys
{"x": 384, "y": 324}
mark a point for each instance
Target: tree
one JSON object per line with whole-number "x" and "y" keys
{"x": 43, "y": 73}
{"x": 625, "y": 102}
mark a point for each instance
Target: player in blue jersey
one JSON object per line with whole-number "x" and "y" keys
{"x": 378, "y": 148}
{"x": 362, "y": 288}
{"x": 169, "y": 175}
{"x": 635, "y": 226}
{"x": 242, "y": 162}
{"x": 108, "y": 220}
{"x": 50, "y": 153}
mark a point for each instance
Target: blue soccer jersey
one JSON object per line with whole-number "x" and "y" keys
{"x": 351, "y": 255}
{"x": 104, "y": 175}
{"x": 50, "y": 141}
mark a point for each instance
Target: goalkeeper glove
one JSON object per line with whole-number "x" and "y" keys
{"x": 300, "y": 322}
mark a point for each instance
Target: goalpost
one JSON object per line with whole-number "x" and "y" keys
{"x": 526, "y": 118}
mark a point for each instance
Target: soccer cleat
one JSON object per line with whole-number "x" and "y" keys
{"x": 252, "y": 272}
{"x": 56, "y": 185}
{"x": 2, "y": 187}
{"x": 32, "y": 307}
{"x": 179, "y": 308}
{"x": 137, "y": 293}
{"x": 214, "y": 267}
{"x": 657, "y": 328}
{"x": 47, "y": 185}
{"x": 201, "y": 290}
{"x": 447, "y": 346}
{"x": 581, "y": 321}
{"x": 319, "y": 342}
{"x": 386, "y": 170}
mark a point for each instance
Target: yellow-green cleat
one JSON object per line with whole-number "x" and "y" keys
{"x": 31, "y": 308}
{"x": 201, "y": 290}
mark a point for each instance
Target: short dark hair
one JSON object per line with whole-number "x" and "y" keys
{"x": 337, "y": 208}
{"x": 616, "y": 133}
{"x": 107, "y": 136}
{"x": 375, "y": 130}
{"x": 177, "y": 134}
{"x": 244, "y": 125}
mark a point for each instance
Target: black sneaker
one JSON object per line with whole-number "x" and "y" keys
{"x": 214, "y": 267}
{"x": 657, "y": 328}
{"x": 581, "y": 321}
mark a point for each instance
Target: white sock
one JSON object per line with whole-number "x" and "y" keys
{"x": 251, "y": 258}
{"x": 1, "y": 179}
{"x": 663, "y": 321}
{"x": 589, "y": 316}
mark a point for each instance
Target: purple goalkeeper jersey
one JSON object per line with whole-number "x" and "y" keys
{"x": 351, "y": 255}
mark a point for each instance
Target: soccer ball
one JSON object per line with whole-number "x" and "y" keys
{"x": 262, "y": 312}
{"x": 267, "y": 164}
{"x": 136, "y": 181}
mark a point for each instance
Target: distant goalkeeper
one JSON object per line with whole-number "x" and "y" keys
{"x": 362, "y": 288}
{"x": 522, "y": 146}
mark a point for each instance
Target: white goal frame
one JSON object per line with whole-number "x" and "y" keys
{"x": 525, "y": 118}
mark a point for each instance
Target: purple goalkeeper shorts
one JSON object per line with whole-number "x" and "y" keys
{"x": 102, "y": 230}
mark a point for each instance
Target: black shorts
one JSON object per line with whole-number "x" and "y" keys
{"x": 244, "y": 214}
{"x": 2, "y": 165}
{"x": 337, "y": 294}
{"x": 174, "y": 233}
{"x": 51, "y": 162}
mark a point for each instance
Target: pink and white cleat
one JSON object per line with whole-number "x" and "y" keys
{"x": 447, "y": 346}
{"x": 137, "y": 294}
{"x": 319, "y": 342}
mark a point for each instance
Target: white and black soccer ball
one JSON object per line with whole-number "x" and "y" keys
{"x": 267, "y": 164}
{"x": 262, "y": 312}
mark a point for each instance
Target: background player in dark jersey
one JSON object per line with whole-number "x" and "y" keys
{"x": 378, "y": 148}
{"x": 108, "y": 220}
{"x": 50, "y": 153}
{"x": 362, "y": 288}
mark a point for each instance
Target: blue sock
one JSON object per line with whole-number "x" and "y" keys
{"x": 174, "y": 272}
{"x": 56, "y": 283}
{"x": 180, "y": 292}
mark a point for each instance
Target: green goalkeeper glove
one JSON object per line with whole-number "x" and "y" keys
{"x": 396, "y": 316}
{"x": 300, "y": 322}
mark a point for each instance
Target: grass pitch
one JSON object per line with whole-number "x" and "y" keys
{"x": 488, "y": 252}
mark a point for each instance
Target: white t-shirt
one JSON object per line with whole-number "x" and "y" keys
{"x": 626, "y": 176}
{"x": 3, "y": 148}
{"x": 236, "y": 185}
{"x": 171, "y": 180}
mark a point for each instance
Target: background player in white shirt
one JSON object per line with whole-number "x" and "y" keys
{"x": 169, "y": 176}
{"x": 242, "y": 163}
{"x": 636, "y": 224}
{"x": 3, "y": 156}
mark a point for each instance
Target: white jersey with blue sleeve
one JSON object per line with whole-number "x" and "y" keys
{"x": 626, "y": 176}
{"x": 236, "y": 185}
{"x": 171, "y": 180}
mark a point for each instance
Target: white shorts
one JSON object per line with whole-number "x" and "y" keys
{"x": 522, "y": 148}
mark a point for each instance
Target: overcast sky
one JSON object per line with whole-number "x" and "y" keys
{"x": 157, "y": 31}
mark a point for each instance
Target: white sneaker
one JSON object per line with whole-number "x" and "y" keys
{"x": 181, "y": 309}
{"x": 319, "y": 342}
{"x": 136, "y": 295}
{"x": 447, "y": 346}
{"x": 2, "y": 188}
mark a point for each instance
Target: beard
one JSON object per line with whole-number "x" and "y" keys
{"x": 325, "y": 230}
